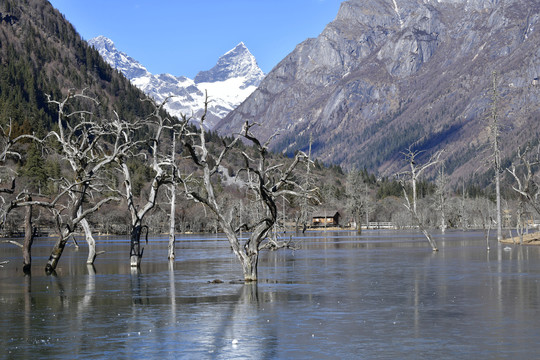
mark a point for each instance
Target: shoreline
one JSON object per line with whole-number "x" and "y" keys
{"x": 528, "y": 239}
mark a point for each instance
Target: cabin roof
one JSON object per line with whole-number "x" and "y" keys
{"x": 327, "y": 213}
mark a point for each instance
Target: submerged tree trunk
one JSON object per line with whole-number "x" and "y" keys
{"x": 358, "y": 225}
{"x": 77, "y": 194}
{"x": 136, "y": 251}
{"x": 494, "y": 127}
{"x": 251, "y": 261}
{"x": 250, "y": 256}
{"x": 57, "y": 251}
{"x": 420, "y": 225}
{"x": 498, "y": 199}
{"x": 430, "y": 240}
{"x": 172, "y": 224}
{"x": 28, "y": 239}
{"x": 249, "y": 267}
{"x": 486, "y": 233}
{"x": 443, "y": 222}
{"x": 89, "y": 240}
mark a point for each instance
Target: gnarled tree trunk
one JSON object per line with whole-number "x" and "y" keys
{"x": 28, "y": 239}
{"x": 89, "y": 240}
{"x": 57, "y": 251}
{"x": 249, "y": 267}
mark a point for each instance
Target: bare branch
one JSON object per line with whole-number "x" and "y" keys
{"x": 13, "y": 242}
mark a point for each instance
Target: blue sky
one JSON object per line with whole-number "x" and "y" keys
{"x": 183, "y": 37}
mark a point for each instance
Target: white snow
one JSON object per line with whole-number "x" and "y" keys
{"x": 229, "y": 91}
{"x": 238, "y": 72}
{"x": 396, "y": 9}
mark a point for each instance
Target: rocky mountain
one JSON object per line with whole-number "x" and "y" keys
{"x": 235, "y": 76}
{"x": 389, "y": 73}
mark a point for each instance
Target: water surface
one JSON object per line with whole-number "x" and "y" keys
{"x": 382, "y": 295}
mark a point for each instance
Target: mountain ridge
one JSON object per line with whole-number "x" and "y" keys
{"x": 386, "y": 74}
{"x": 234, "y": 77}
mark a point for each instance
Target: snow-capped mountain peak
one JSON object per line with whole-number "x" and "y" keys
{"x": 236, "y": 63}
{"x": 130, "y": 67}
{"x": 235, "y": 76}
{"x": 102, "y": 42}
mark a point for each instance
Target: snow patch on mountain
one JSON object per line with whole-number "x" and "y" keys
{"x": 235, "y": 76}
{"x": 119, "y": 60}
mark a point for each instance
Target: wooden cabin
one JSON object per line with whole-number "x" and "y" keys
{"x": 331, "y": 218}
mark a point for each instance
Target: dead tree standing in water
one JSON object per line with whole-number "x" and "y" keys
{"x": 267, "y": 183}
{"x": 527, "y": 186}
{"x": 357, "y": 198}
{"x": 7, "y": 151}
{"x": 79, "y": 140}
{"x": 413, "y": 175}
{"x": 172, "y": 199}
{"x": 178, "y": 131}
{"x": 160, "y": 164}
{"x": 495, "y": 134}
{"x": 441, "y": 196}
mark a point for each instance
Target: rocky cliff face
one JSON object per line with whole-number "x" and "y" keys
{"x": 387, "y": 73}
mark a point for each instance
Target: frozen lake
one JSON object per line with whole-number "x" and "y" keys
{"x": 383, "y": 295}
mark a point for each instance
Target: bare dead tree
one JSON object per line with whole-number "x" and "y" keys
{"x": 266, "y": 183}
{"x": 179, "y": 130}
{"x": 79, "y": 138}
{"x": 28, "y": 239}
{"x": 172, "y": 199}
{"x": 357, "y": 197}
{"x": 495, "y": 134}
{"x": 441, "y": 196}
{"x": 7, "y": 151}
{"x": 62, "y": 211}
{"x": 306, "y": 208}
{"x": 484, "y": 215}
{"x": 412, "y": 175}
{"x": 7, "y": 144}
{"x": 160, "y": 163}
{"x": 527, "y": 184}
